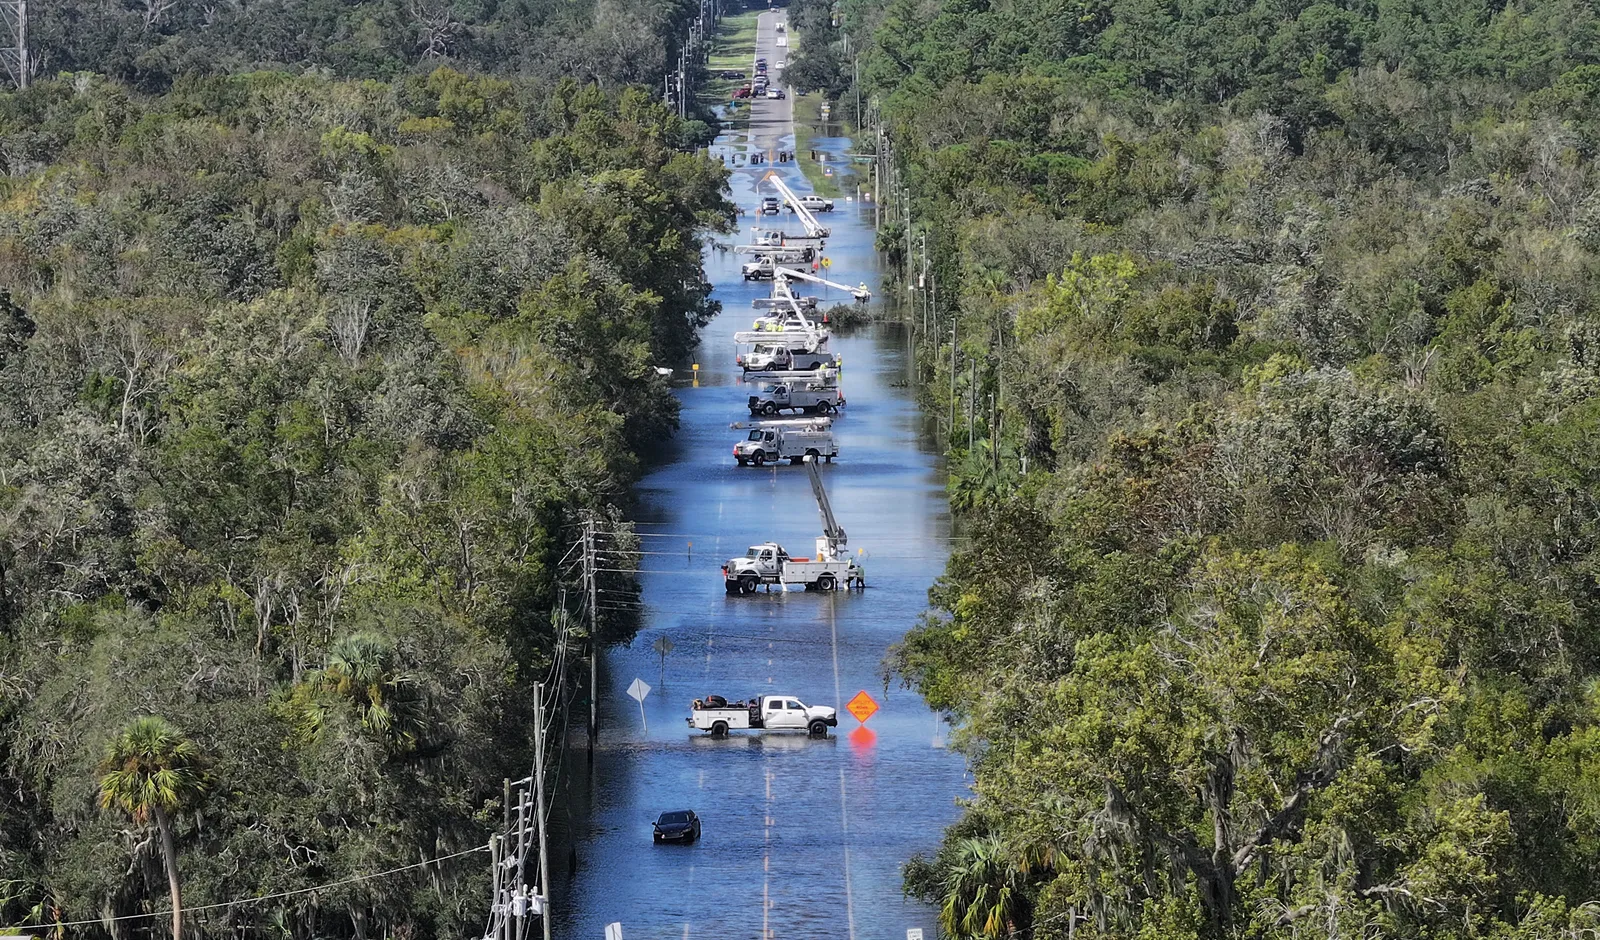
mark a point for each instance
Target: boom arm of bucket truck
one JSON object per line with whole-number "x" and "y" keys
{"x": 833, "y": 534}
{"x": 814, "y": 228}
{"x": 860, "y": 293}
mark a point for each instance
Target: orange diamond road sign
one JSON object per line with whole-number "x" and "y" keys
{"x": 862, "y": 706}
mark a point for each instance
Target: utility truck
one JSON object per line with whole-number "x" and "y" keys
{"x": 803, "y": 396}
{"x": 792, "y": 439}
{"x": 716, "y": 715}
{"x": 775, "y": 357}
{"x": 769, "y": 564}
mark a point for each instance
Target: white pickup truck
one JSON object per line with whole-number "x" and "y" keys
{"x": 793, "y": 441}
{"x": 717, "y": 716}
{"x": 815, "y": 204}
{"x": 807, "y": 397}
{"x": 768, "y": 563}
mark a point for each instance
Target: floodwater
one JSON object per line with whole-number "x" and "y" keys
{"x": 803, "y": 838}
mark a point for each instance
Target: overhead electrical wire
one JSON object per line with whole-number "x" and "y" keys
{"x": 256, "y": 900}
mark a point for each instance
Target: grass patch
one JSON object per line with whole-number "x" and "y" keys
{"x": 808, "y": 124}
{"x": 733, "y": 47}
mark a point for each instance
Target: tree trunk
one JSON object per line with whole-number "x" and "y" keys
{"x": 169, "y": 854}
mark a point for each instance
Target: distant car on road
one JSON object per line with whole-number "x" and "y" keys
{"x": 769, "y": 205}
{"x": 774, "y": 93}
{"x": 730, "y": 73}
{"x": 681, "y": 825}
{"x": 743, "y": 92}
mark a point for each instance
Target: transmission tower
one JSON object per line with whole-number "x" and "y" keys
{"x": 14, "y": 54}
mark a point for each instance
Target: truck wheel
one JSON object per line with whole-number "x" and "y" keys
{"x": 719, "y": 729}
{"x": 747, "y": 584}
{"x": 769, "y": 409}
{"x": 825, "y": 407}
{"x": 758, "y": 458}
{"x": 819, "y": 729}
{"x": 825, "y": 583}
{"x": 794, "y": 461}
{"x": 812, "y": 453}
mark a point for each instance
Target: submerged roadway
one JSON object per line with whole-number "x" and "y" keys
{"x": 803, "y": 838}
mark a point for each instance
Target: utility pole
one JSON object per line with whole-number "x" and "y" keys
{"x": 14, "y": 15}
{"x": 496, "y": 917}
{"x": 857, "y": 67}
{"x": 954, "y": 326}
{"x": 972, "y": 400}
{"x": 538, "y": 789}
{"x": 589, "y": 565}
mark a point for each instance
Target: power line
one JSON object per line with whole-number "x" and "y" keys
{"x": 257, "y": 900}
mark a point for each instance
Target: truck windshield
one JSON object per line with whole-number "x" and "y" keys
{"x": 754, "y": 436}
{"x": 753, "y": 553}
{"x": 671, "y": 819}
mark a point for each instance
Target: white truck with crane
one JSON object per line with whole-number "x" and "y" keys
{"x": 779, "y": 357}
{"x": 810, "y": 397}
{"x": 717, "y": 716}
{"x": 792, "y": 439}
{"x": 769, "y": 564}
{"x": 814, "y": 229}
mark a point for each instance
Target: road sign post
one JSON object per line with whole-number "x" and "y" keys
{"x": 638, "y": 691}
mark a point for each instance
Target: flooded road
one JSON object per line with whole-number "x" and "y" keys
{"x": 802, "y": 838}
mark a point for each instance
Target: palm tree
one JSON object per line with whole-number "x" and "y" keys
{"x": 986, "y": 890}
{"x": 150, "y": 772}
{"x": 361, "y": 669}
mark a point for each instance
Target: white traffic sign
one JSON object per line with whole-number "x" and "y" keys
{"x": 614, "y": 931}
{"x": 913, "y": 933}
{"x": 639, "y": 690}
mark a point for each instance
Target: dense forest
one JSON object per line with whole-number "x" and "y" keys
{"x": 305, "y": 384}
{"x": 151, "y": 43}
{"x": 1273, "y": 416}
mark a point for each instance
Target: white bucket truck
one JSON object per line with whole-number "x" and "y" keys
{"x": 808, "y": 397}
{"x": 791, "y": 439}
{"x": 779, "y": 357}
{"x": 769, "y": 564}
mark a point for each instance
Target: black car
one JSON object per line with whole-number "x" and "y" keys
{"x": 731, "y": 73}
{"x": 680, "y": 825}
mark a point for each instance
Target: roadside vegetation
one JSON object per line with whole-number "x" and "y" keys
{"x": 1274, "y": 403}
{"x": 304, "y": 383}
